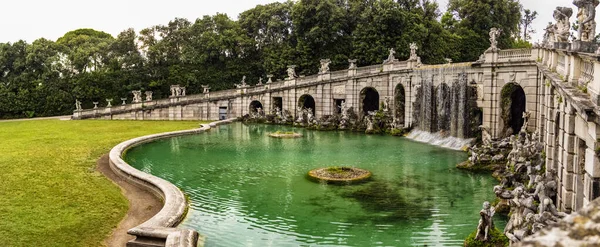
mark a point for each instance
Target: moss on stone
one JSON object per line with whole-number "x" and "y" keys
{"x": 497, "y": 240}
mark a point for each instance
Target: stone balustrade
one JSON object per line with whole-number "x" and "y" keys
{"x": 516, "y": 55}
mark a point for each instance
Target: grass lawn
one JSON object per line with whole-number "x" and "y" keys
{"x": 50, "y": 193}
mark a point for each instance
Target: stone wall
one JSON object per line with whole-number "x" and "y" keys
{"x": 560, "y": 89}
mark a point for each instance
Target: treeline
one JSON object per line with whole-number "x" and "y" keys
{"x": 45, "y": 77}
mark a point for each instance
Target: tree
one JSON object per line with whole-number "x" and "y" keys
{"x": 526, "y": 21}
{"x": 319, "y": 27}
{"x": 476, "y": 18}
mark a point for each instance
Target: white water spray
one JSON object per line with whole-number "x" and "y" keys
{"x": 440, "y": 139}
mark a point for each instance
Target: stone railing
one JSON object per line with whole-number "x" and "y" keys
{"x": 560, "y": 67}
{"x": 159, "y": 230}
{"x": 515, "y": 55}
{"x": 587, "y": 73}
{"x": 339, "y": 74}
{"x": 369, "y": 69}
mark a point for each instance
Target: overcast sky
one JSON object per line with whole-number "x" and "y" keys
{"x": 32, "y": 19}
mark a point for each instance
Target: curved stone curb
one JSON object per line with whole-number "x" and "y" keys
{"x": 159, "y": 230}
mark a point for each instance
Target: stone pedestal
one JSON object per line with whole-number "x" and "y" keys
{"x": 583, "y": 46}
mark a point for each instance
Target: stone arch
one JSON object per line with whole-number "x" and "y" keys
{"x": 400, "y": 103}
{"x": 254, "y": 105}
{"x": 307, "y": 101}
{"x": 369, "y": 98}
{"x": 442, "y": 107}
{"x": 513, "y": 103}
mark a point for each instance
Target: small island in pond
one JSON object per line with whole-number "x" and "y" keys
{"x": 287, "y": 134}
{"x": 339, "y": 175}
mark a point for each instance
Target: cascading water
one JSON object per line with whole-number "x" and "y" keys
{"x": 441, "y": 112}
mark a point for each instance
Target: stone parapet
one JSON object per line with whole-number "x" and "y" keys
{"x": 159, "y": 230}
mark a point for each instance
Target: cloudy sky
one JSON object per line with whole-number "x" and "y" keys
{"x": 32, "y": 19}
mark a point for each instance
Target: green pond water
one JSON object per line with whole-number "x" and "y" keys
{"x": 249, "y": 189}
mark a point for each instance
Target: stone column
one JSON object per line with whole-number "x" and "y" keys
{"x": 592, "y": 165}
{"x": 568, "y": 157}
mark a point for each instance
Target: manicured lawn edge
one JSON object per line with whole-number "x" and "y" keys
{"x": 160, "y": 228}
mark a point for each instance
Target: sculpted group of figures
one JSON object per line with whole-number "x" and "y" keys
{"x": 525, "y": 187}
{"x": 380, "y": 121}
{"x": 560, "y": 31}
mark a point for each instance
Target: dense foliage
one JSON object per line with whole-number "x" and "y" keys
{"x": 45, "y": 77}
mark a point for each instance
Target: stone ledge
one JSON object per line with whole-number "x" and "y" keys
{"x": 578, "y": 229}
{"x": 159, "y": 230}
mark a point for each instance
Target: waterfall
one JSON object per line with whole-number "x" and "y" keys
{"x": 441, "y": 109}
{"x": 439, "y": 139}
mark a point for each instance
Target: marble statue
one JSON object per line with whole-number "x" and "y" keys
{"x": 486, "y": 223}
{"x": 386, "y": 104}
{"x": 413, "y": 52}
{"x": 494, "y": 35}
{"x": 109, "y": 103}
{"x": 343, "y": 109}
{"x": 352, "y": 63}
{"x": 549, "y": 36}
{"x": 259, "y": 81}
{"x": 391, "y": 57}
{"x": 586, "y": 17}
{"x": 291, "y": 71}
{"x": 243, "y": 81}
{"x": 324, "y": 66}
{"x": 137, "y": 96}
{"x": 369, "y": 123}
{"x": 78, "y": 105}
{"x": 563, "y": 26}
{"x": 148, "y": 95}
{"x": 526, "y": 116}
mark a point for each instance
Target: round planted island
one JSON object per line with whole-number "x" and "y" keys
{"x": 339, "y": 175}
{"x": 281, "y": 134}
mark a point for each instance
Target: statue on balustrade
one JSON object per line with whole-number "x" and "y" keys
{"x": 413, "y": 52}
{"x": 549, "y": 36}
{"x": 586, "y": 17}
{"x": 291, "y": 71}
{"x": 391, "y": 58}
{"x": 137, "y": 96}
{"x": 563, "y": 26}
{"x": 78, "y": 105}
{"x": 324, "y": 66}
{"x": 148, "y": 95}
{"x": 494, "y": 34}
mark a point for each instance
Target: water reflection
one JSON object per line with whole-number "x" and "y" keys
{"x": 247, "y": 189}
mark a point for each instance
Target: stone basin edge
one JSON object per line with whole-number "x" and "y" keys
{"x": 160, "y": 229}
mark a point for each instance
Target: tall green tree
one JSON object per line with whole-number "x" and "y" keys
{"x": 475, "y": 18}
{"x": 319, "y": 27}
{"x": 525, "y": 24}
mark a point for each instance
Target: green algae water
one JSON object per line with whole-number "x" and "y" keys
{"x": 249, "y": 189}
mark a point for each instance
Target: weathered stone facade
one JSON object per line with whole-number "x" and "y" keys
{"x": 561, "y": 94}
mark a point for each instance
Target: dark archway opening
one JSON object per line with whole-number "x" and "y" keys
{"x": 255, "y": 105}
{"x": 307, "y": 102}
{"x": 338, "y": 106}
{"x": 513, "y": 105}
{"x": 370, "y": 100}
{"x": 400, "y": 104}
{"x": 278, "y": 103}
